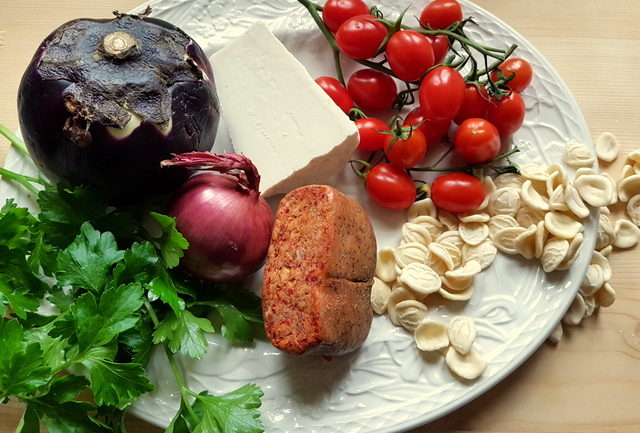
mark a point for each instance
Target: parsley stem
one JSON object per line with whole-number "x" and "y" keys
{"x": 15, "y": 140}
{"x": 25, "y": 181}
{"x": 184, "y": 389}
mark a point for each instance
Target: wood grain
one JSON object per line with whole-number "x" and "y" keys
{"x": 590, "y": 382}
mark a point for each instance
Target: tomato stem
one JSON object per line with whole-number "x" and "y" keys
{"x": 313, "y": 9}
{"x": 466, "y": 168}
{"x": 362, "y": 174}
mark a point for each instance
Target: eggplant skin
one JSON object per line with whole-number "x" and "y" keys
{"x": 72, "y": 94}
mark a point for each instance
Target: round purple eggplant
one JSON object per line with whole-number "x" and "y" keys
{"x": 103, "y": 102}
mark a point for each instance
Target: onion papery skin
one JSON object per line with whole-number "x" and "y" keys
{"x": 168, "y": 85}
{"x": 228, "y": 227}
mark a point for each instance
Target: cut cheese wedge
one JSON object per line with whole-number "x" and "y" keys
{"x": 278, "y": 116}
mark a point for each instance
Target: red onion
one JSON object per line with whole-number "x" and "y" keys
{"x": 223, "y": 216}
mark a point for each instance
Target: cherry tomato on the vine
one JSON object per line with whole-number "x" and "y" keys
{"x": 474, "y": 104}
{"x": 360, "y": 37}
{"x": 507, "y": 114}
{"x": 405, "y": 151}
{"x": 433, "y": 131}
{"x": 440, "y": 45}
{"x": 337, "y": 92}
{"x": 335, "y": 12}
{"x": 410, "y": 54}
{"x": 477, "y": 141}
{"x": 440, "y": 14}
{"x": 520, "y": 69}
{"x": 457, "y": 192}
{"x": 371, "y": 138}
{"x": 441, "y": 94}
{"x": 372, "y": 90}
{"x": 390, "y": 186}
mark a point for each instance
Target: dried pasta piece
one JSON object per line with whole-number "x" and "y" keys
{"x": 578, "y": 155}
{"x": 431, "y": 335}
{"x": 605, "y": 233}
{"x": 454, "y": 252}
{"x": 505, "y": 201}
{"x": 473, "y": 233}
{"x": 557, "y": 176}
{"x": 593, "y": 280}
{"x": 386, "y": 265}
{"x": 424, "y": 207}
{"x": 398, "y": 294}
{"x": 532, "y": 198}
{"x": 557, "y": 199}
{"x": 435, "y": 227}
{"x": 606, "y": 251}
{"x": 525, "y": 242}
{"x": 503, "y": 239}
{"x": 634, "y": 155}
{"x": 636, "y": 168}
{"x": 605, "y": 210}
{"x": 607, "y": 147}
{"x": 583, "y": 171}
{"x": 594, "y": 189}
{"x": 540, "y": 238}
{"x": 626, "y": 234}
{"x": 450, "y": 237}
{"x": 576, "y": 311}
{"x": 500, "y": 222}
{"x": 575, "y": 202}
{"x": 411, "y": 252}
{"x": 572, "y": 254}
{"x": 462, "y": 333}
{"x": 469, "y": 366}
{"x": 468, "y": 270}
{"x": 456, "y": 295}
{"x": 628, "y": 187}
{"x": 508, "y": 180}
{"x": 410, "y": 313}
{"x": 614, "y": 189}
{"x": 412, "y": 232}
{"x": 534, "y": 172}
{"x": 605, "y": 296}
{"x": 456, "y": 284}
{"x": 627, "y": 171}
{"x": 420, "y": 279}
{"x": 483, "y": 253}
{"x": 590, "y": 304}
{"x": 527, "y": 216}
{"x": 633, "y": 209}
{"x": 439, "y": 255}
{"x": 479, "y": 217}
{"x": 380, "y": 292}
{"x": 561, "y": 225}
{"x": 603, "y": 262}
{"x": 556, "y": 334}
{"x": 450, "y": 220}
{"x": 555, "y": 250}
{"x": 489, "y": 188}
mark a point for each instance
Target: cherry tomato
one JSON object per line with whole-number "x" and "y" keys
{"x": 360, "y": 37}
{"x": 372, "y": 90}
{"x": 440, "y": 45}
{"x": 477, "y": 141}
{"x": 410, "y": 54}
{"x": 475, "y": 103}
{"x": 433, "y": 131}
{"x": 441, "y": 94}
{"x": 507, "y": 114}
{"x": 457, "y": 192}
{"x": 335, "y": 12}
{"x": 440, "y": 14}
{"x": 520, "y": 68}
{"x": 370, "y": 137}
{"x": 337, "y": 92}
{"x": 406, "y": 151}
{"x": 390, "y": 187}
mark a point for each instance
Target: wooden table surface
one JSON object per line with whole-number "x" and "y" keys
{"x": 590, "y": 381}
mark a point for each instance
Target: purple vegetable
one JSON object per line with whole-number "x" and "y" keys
{"x": 103, "y": 102}
{"x": 223, "y": 216}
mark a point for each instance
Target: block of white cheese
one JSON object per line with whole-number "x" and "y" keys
{"x": 278, "y": 116}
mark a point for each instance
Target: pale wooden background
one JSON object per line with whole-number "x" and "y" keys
{"x": 590, "y": 382}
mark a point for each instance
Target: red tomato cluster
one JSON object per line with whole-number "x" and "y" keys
{"x": 483, "y": 110}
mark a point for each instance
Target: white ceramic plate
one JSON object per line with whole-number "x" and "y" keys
{"x": 387, "y": 386}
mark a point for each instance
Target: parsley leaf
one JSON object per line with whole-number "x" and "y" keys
{"x": 97, "y": 324}
{"x": 232, "y": 412}
{"x": 20, "y": 302}
{"x": 164, "y": 288}
{"x": 15, "y": 224}
{"x": 184, "y": 332}
{"x": 87, "y": 262}
{"x": 172, "y": 243}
